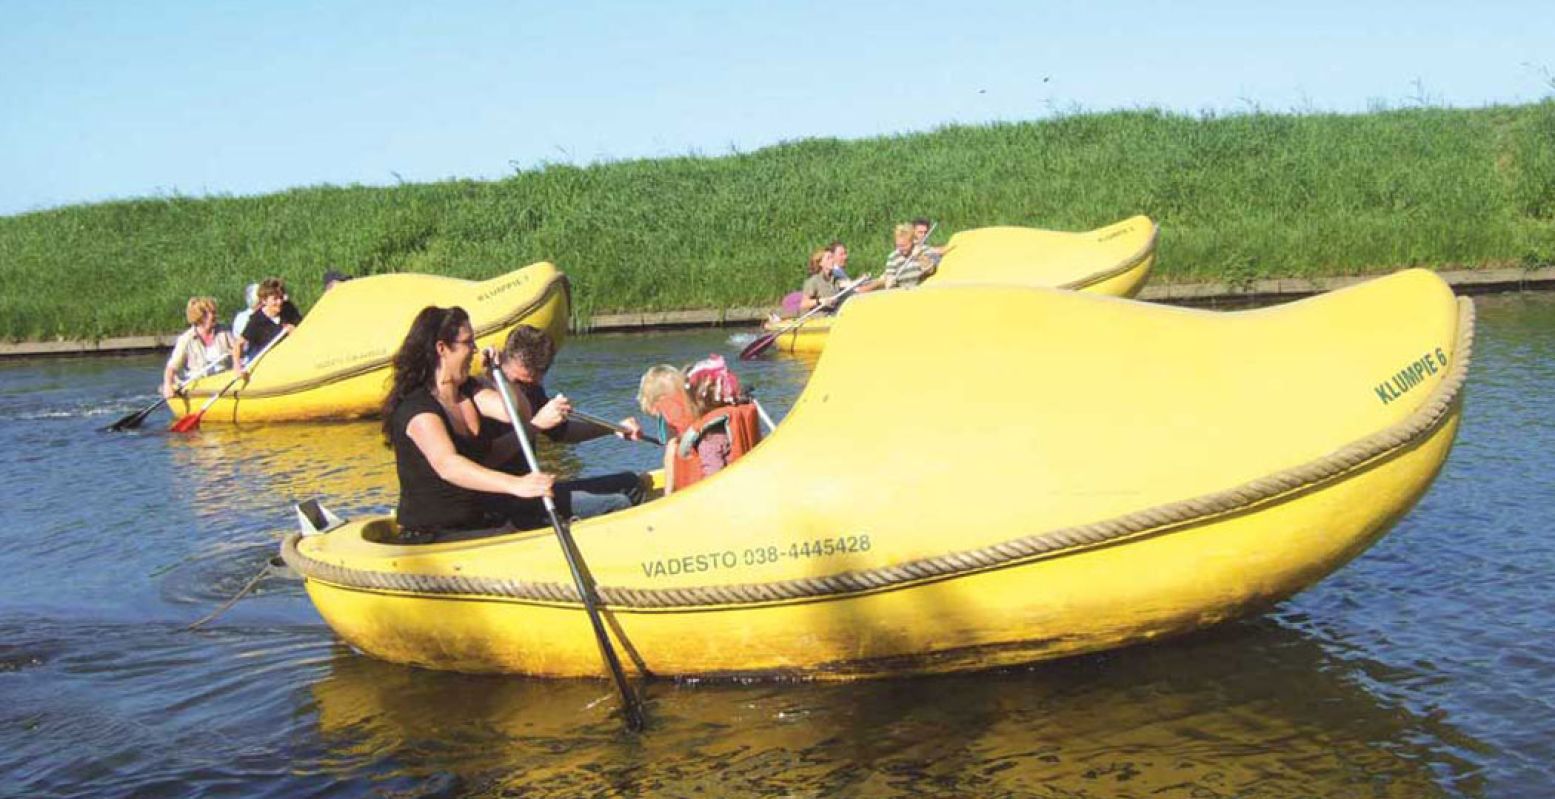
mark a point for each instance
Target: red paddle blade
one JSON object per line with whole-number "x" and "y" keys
{"x": 187, "y": 423}
{"x": 757, "y": 347}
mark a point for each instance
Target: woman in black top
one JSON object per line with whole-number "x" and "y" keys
{"x": 431, "y": 422}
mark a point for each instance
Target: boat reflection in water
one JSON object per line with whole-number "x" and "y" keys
{"x": 1252, "y": 709}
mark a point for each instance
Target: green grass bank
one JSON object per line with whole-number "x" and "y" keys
{"x": 1238, "y": 198}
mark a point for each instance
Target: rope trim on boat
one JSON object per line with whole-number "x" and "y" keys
{"x": 1147, "y": 251}
{"x": 1424, "y": 420}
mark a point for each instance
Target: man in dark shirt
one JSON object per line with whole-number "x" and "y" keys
{"x": 526, "y": 357}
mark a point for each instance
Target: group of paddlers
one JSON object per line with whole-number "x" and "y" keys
{"x": 208, "y": 346}
{"x": 828, "y": 284}
{"x": 460, "y": 468}
{"x": 460, "y": 464}
{"x": 457, "y": 455}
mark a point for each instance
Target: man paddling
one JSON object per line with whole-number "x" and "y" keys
{"x": 526, "y": 357}
{"x": 908, "y": 264}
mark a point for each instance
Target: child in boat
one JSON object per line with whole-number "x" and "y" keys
{"x": 706, "y": 423}
{"x": 273, "y": 314}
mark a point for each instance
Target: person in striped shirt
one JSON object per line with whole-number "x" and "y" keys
{"x": 907, "y": 265}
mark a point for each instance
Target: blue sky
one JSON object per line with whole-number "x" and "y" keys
{"x": 102, "y": 100}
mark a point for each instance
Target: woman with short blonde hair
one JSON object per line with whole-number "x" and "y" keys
{"x": 200, "y": 348}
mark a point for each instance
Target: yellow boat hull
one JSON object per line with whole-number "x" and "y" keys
{"x": 1045, "y": 511}
{"x": 1114, "y": 260}
{"x": 335, "y": 365}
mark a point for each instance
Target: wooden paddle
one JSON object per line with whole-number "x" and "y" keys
{"x": 613, "y": 427}
{"x": 133, "y": 419}
{"x": 192, "y": 421}
{"x": 629, "y": 704}
{"x": 760, "y": 345}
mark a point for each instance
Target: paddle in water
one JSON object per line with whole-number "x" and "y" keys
{"x": 132, "y": 420}
{"x": 192, "y": 421}
{"x": 760, "y": 345}
{"x": 629, "y": 704}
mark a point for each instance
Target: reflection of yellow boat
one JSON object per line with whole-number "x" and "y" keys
{"x": 333, "y": 366}
{"x": 1007, "y": 501}
{"x": 1258, "y": 711}
{"x": 1113, "y": 260}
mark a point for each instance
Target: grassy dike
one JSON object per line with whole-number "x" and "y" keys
{"x": 1238, "y": 197}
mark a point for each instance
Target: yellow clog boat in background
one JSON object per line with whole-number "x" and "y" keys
{"x": 336, "y": 363}
{"x": 1054, "y": 473}
{"x": 1113, "y": 260}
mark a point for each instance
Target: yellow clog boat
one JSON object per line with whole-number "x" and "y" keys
{"x": 1113, "y": 260}
{"x": 1057, "y": 473}
{"x": 335, "y": 364}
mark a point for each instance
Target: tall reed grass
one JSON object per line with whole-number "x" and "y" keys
{"x": 1238, "y": 197}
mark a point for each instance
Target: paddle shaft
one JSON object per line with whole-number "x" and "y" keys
{"x": 184, "y": 425}
{"x": 761, "y": 344}
{"x": 762, "y": 412}
{"x": 613, "y": 427}
{"x": 629, "y": 705}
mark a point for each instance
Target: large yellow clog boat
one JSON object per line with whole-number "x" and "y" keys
{"x": 335, "y": 364}
{"x": 1113, "y": 260}
{"x": 1058, "y": 473}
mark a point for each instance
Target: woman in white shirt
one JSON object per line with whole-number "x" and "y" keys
{"x": 204, "y": 343}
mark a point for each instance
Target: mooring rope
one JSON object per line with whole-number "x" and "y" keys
{"x": 1417, "y": 425}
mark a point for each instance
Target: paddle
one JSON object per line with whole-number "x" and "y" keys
{"x": 629, "y": 705}
{"x": 133, "y": 419}
{"x": 192, "y": 421}
{"x": 762, "y": 412}
{"x": 760, "y": 345}
{"x": 613, "y": 427}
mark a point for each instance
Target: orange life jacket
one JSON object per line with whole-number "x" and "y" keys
{"x": 743, "y": 427}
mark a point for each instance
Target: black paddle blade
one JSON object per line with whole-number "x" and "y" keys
{"x": 129, "y": 422}
{"x": 126, "y": 423}
{"x": 758, "y": 346}
{"x": 133, "y": 420}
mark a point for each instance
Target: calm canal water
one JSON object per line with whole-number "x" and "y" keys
{"x": 1424, "y": 668}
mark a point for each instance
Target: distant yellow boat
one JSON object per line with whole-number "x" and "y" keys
{"x": 336, "y": 363}
{"x": 1113, "y": 260}
{"x": 1054, "y": 473}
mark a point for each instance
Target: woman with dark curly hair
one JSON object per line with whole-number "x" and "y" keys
{"x": 431, "y": 422}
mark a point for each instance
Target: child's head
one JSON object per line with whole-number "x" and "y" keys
{"x": 711, "y": 384}
{"x": 658, "y": 383}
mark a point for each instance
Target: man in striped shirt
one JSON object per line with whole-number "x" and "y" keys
{"x": 908, "y": 264}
